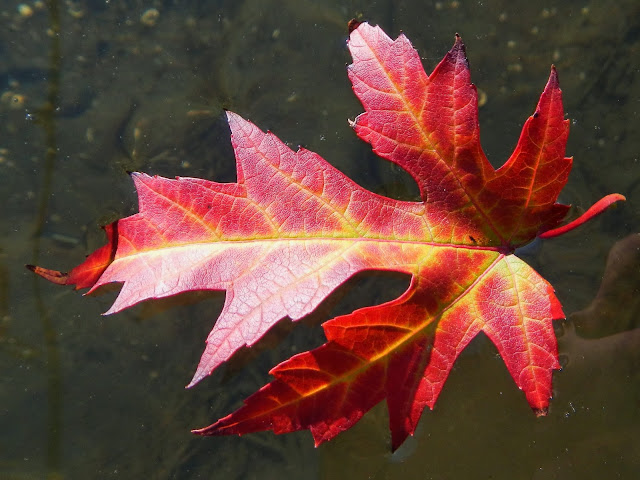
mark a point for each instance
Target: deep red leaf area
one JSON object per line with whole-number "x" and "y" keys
{"x": 293, "y": 228}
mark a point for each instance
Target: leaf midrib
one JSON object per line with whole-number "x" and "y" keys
{"x": 192, "y": 244}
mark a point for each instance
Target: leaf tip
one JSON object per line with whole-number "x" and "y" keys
{"x": 201, "y": 372}
{"x": 353, "y": 24}
{"x": 137, "y": 178}
{"x": 203, "y": 432}
{"x": 233, "y": 119}
{"x": 553, "y": 81}
{"x": 459, "y": 51}
{"x": 192, "y": 383}
{"x": 541, "y": 412}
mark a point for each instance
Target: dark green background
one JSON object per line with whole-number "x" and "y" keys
{"x": 85, "y": 396}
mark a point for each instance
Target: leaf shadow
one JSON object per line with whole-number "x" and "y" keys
{"x": 599, "y": 336}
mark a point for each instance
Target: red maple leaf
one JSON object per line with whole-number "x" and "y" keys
{"x": 293, "y": 228}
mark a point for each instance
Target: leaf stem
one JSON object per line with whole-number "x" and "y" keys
{"x": 595, "y": 210}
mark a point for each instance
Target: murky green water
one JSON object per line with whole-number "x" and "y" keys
{"x": 85, "y": 396}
